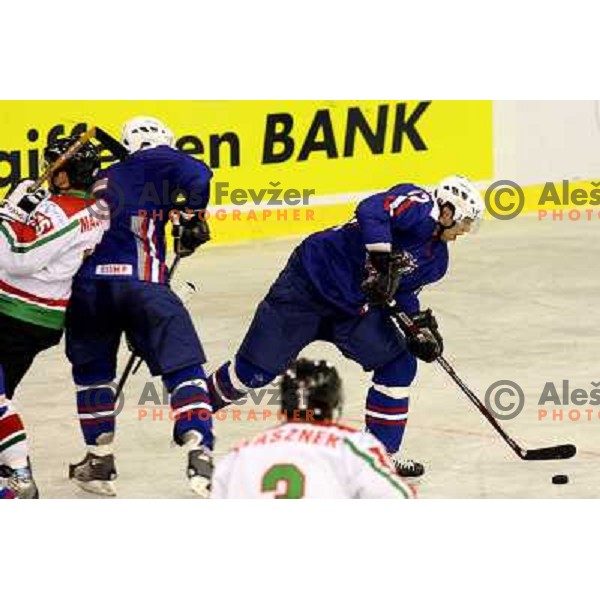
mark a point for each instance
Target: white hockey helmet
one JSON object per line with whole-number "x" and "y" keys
{"x": 141, "y": 133}
{"x": 464, "y": 197}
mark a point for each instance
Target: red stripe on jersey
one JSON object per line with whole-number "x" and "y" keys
{"x": 10, "y": 425}
{"x": 24, "y": 233}
{"x": 387, "y": 201}
{"x": 71, "y": 205}
{"x": 403, "y": 207}
{"x": 381, "y": 456}
{"x": 27, "y": 296}
{"x": 147, "y": 259}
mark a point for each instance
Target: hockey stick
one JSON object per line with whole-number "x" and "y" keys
{"x": 69, "y": 153}
{"x": 403, "y": 322}
{"x": 110, "y": 143}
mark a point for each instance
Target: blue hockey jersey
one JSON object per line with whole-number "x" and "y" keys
{"x": 141, "y": 191}
{"x": 403, "y": 218}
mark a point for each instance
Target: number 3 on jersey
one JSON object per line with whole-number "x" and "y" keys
{"x": 288, "y": 475}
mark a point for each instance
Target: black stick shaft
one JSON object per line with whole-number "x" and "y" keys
{"x": 404, "y": 322}
{"x": 479, "y": 405}
{"x": 125, "y": 375}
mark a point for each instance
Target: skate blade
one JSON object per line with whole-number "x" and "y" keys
{"x": 200, "y": 486}
{"x": 99, "y": 488}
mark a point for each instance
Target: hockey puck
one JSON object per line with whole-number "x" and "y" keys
{"x": 560, "y": 479}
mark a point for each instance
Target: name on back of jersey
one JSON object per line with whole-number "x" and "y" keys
{"x": 299, "y": 435}
{"x": 89, "y": 223}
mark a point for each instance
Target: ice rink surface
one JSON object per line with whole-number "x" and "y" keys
{"x": 519, "y": 303}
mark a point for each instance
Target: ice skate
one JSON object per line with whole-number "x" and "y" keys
{"x": 200, "y": 464}
{"x": 95, "y": 474}
{"x": 18, "y": 484}
{"x": 407, "y": 469}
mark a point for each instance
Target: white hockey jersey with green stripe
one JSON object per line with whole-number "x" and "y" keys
{"x": 308, "y": 460}
{"x": 38, "y": 260}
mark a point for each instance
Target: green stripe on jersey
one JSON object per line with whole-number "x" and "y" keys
{"x": 371, "y": 461}
{"x": 22, "y": 247}
{"x": 32, "y": 313}
{"x": 12, "y": 441}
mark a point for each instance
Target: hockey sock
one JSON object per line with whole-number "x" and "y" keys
{"x": 386, "y": 415}
{"x": 96, "y": 412}
{"x": 190, "y": 405}
{"x": 96, "y": 404}
{"x": 231, "y": 382}
{"x": 387, "y": 403}
{"x": 13, "y": 440}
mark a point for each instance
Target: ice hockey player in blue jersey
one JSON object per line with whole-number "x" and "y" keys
{"x": 336, "y": 287}
{"x": 124, "y": 289}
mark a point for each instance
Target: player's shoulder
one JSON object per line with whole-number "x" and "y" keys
{"x": 163, "y": 152}
{"x": 300, "y": 431}
{"x": 343, "y": 428}
{"x": 141, "y": 159}
{"x": 408, "y": 188}
{"x": 63, "y": 209}
{"x": 411, "y": 199}
{"x": 157, "y": 158}
{"x": 271, "y": 434}
{"x": 196, "y": 165}
{"x": 174, "y": 156}
{"x": 347, "y": 434}
{"x": 408, "y": 192}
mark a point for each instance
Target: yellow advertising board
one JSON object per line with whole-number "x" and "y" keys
{"x": 330, "y": 151}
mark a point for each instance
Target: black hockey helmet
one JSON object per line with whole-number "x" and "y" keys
{"x": 313, "y": 389}
{"x": 80, "y": 168}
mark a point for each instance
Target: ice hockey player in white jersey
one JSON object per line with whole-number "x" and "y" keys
{"x": 310, "y": 455}
{"x": 44, "y": 238}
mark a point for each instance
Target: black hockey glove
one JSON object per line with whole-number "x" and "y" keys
{"x": 426, "y": 343}
{"x": 384, "y": 271}
{"x": 192, "y": 233}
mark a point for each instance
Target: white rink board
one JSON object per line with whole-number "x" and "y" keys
{"x": 517, "y": 304}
